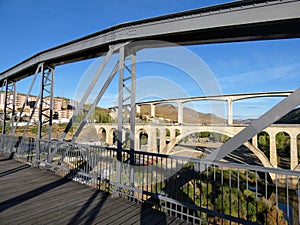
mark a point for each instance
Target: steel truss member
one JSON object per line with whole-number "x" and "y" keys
{"x": 46, "y": 103}
{"x": 9, "y": 104}
{"x": 92, "y": 84}
{"x": 126, "y": 98}
{"x": 26, "y": 103}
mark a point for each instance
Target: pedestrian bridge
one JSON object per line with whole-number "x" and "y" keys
{"x": 199, "y": 191}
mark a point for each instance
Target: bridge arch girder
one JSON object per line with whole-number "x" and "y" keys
{"x": 258, "y": 153}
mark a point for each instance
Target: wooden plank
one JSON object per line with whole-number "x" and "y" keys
{"x": 40, "y": 205}
{"x": 129, "y": 213}
{"x": 149, "y": 217}
{"x": 74, "y": 216}
{"x": 60, "y": 211}
{"x": 128, "y": 209}
{"x": 34, "y": 196}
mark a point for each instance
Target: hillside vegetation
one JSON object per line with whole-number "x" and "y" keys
{"x": 291, "y": 118}
{"x": 190, "y": 116}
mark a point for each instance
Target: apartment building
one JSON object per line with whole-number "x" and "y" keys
{"x": 62, "y": 106}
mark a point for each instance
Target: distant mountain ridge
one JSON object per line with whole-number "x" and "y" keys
{"x": 190, "y": 116}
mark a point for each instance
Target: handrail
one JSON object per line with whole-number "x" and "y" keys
{"x": 173, "y": 183}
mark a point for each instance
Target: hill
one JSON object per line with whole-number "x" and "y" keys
{"x": 292, "y": 117}
{"x": 190, "y": 116}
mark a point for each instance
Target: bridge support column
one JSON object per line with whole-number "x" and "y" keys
{"x": 162, "y": 140}
{"x": 273, "y": 150}
{"x": 152, "y": 110}
{"x": 9, "y": 103}
{"x": 152, "y": 141}
{"x": 109, "y": 138}
{"x": 172, "y": 134}
{"x": 137, "y": 141}
{"x": 294, "y": 152}
{"x": 138, "y": 109}
{"x": 180, "y": 112}
{"x": 230, "y": 111}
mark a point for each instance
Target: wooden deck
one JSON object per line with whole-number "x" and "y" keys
{"x": 33, "y": 196}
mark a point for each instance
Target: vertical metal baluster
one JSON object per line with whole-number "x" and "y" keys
{"x": 194, "y": 196}
{"x": 176, "y": 192}
{"x": 100, "y": 169}
{"x": 247, "y": 188}
{"x": 298, "y": 193}
{"x": 287, "y": 199}
{"x": 276, "y": 198}
{"x": 256, "y": 193}
{"x": 222, "y": 183}
{"x": 200, "y": 187}
{"x": 266, "y": 194}
{"x": 230, "y": 202}
{"x": 167, "y": 175}
{"x": 161, "y": 171}
{"x": 207, "y": 189}
{"x": 214, "y": 190}
{"x": 238, "y": 187}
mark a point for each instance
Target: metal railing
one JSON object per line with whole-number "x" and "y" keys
{"x": 223, "y": 193}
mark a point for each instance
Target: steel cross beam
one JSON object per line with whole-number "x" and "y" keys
{"x": 9, "y": 104}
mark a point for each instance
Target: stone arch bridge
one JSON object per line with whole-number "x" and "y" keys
{"x": 163, "y": 137}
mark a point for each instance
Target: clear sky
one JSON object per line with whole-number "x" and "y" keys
{"x": 28, "y": 27}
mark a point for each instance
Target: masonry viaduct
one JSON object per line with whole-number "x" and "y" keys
{"x": 158, "y": 141}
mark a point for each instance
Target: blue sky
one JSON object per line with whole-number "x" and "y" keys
{"x": 30, "y": 26}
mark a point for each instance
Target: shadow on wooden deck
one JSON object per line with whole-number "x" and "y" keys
{"x": 33, "y": 196}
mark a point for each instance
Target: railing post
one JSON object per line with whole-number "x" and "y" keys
{"x": 37, "y": 151}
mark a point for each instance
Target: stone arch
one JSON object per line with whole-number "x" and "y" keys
{"x": 283, "y": 149}
{"x": 260, "y": 155}
{"x": 112, "y": 138}
{"x": 102, "y": 134}
{"x": 143, "y": 139}
{"x": 263, "y": 143}
{"x": 177, "y": 132}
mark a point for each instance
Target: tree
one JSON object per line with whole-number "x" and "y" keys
{"x": 264, "y": 143}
